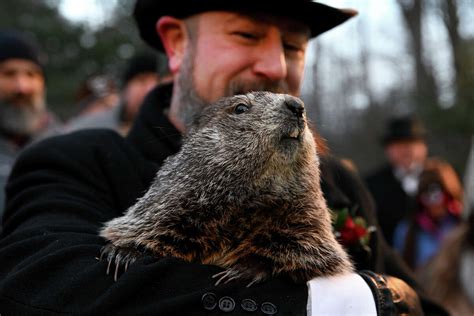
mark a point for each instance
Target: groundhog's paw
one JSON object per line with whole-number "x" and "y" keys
{"x": 118, "y": 256}
{"x": 250, "y": 269}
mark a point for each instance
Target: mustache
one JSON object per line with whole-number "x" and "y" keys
{"x": 242, "y": 87}
{"x": 19, "y": 99}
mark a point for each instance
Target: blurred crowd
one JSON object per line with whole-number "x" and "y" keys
{"x": 424, "y": 211}
{"x": 424, "y": 214}
{"x": 100, "y": 102}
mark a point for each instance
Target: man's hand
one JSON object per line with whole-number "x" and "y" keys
{"x": 392, "y": 295}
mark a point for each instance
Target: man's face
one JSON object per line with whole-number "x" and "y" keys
{"x": 406, "y": 154}
{"x": 233, "y": 53}
{"x": 22, "y": 92}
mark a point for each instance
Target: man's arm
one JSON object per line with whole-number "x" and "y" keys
{"x": 60, "y": 193}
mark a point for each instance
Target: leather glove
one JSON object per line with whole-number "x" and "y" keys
{"x": 392, "y": 295}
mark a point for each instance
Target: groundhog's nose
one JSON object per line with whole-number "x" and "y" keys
{"x": 295, "y": 106}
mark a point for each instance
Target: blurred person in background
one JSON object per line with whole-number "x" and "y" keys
{"x": 439, "y": 206}
{"x": 97, "y": 93}
{"x": 24, "y": 115}
{"x": 395, "y": 184}
{"x": 141, "y": 74}
{"x": 449, "y": 276}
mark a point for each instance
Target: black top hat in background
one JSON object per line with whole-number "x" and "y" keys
{"x": 319, "y": 17}
{"x": 404, "y": 128}
{"x": 15, "y": 45}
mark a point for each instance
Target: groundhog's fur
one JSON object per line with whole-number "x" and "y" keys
{"x": 243, "y": 193}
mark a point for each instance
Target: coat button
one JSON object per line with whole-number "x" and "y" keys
{"x": 269, "y": 308}
{"x": 226, "y": 304}
{"x": 249, "y": 305}
{"x": 209, "y": 301}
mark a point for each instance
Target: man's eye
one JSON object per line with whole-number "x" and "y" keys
{"x": 292, "y": 47}
{"x": 247, "y": 35}
{"x": 241, "y": 108}
{"x": 7, "y": 73}
{"x": 31, "y": 74}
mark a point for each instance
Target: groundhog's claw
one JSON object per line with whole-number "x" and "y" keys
{"x": 249, "y": 267}
{"x": 257, "y": 279}
{"x": 226, "y": 276}
{"x": 233, "y": 274}
{"x": 118, "y": 256}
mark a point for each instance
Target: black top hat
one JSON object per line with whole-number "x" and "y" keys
{"x": 404, "y": 128}
{"x": 319, "y": 17}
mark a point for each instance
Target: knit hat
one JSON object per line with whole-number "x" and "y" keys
{"x": 18, "y": 46}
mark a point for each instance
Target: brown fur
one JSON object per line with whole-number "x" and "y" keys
{"x": 242, "y": 193}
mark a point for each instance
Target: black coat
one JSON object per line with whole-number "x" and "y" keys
{"x": 392, "y": 202}
{"x": 63, "y": 189}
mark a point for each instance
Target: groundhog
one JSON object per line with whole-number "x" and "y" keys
{"x": 243, "y": 193}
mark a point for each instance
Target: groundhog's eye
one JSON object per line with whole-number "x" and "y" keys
{"x": 241, "y": 108}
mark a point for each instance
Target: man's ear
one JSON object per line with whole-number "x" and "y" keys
{"x": 174, "y": 37}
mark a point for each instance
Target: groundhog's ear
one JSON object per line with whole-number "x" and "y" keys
{"x": 174, "y": 37}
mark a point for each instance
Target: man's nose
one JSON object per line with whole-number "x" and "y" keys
{"x": 272, "y": 61}
{"x": 23, "y": 84}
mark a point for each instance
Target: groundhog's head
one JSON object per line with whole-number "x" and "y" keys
{"x": 262, "y": 123}
{"x": 258, "y": 134}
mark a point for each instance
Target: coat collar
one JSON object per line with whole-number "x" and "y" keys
{"x": 152, "y": 134}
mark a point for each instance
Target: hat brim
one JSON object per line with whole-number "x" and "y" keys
{"x": 318, "y": 17}
{"x": 387, "y": 140}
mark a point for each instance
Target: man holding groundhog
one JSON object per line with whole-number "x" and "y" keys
{"x": 62, "y": 190}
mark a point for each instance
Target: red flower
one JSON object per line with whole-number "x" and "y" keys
{"x": 350, "y": 231}
{"x": 360, "y": 231}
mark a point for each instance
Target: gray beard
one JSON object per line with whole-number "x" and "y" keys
{"x": 23, "y": 120}
{"x": 467, "y": 273}
{"x": 191, "y": 103}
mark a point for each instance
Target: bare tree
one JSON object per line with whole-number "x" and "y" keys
{"x": 426, "y": 90}
{"x": 461, "y": 50}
